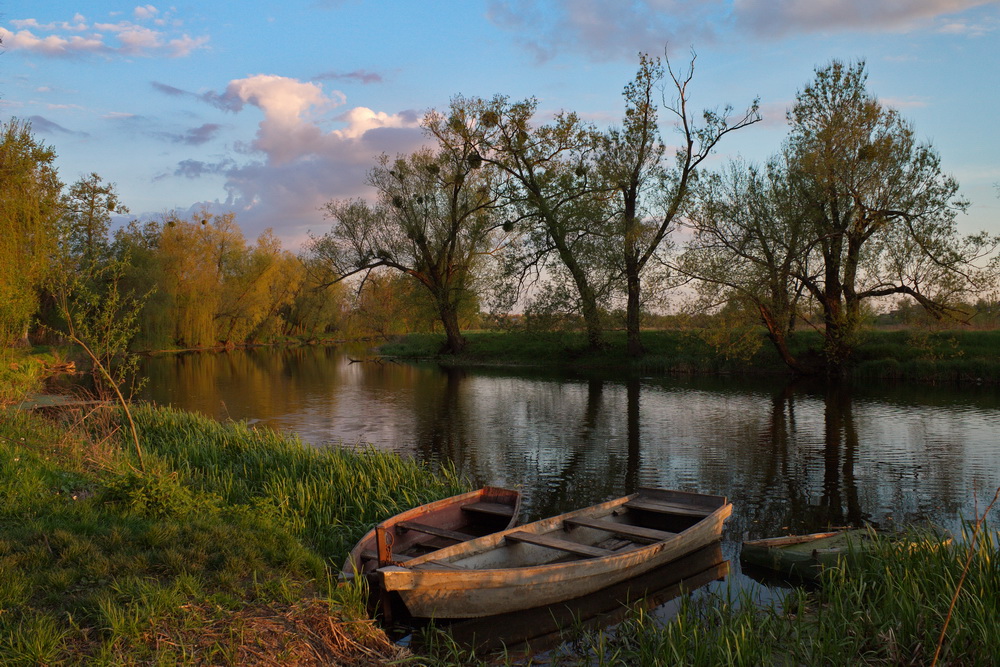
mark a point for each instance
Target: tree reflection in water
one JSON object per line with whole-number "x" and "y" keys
{"x": 793, "y": 457}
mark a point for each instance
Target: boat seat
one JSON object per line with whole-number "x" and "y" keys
{"x": 496, "y": 509}
{"x": 556, "y": 543}
{"x": 625, "y": 530}
{"x": 438, "y": 565}
{"x": 650, "y": 505}
{"x": 368, "y": 554}
{"x": 434, "y": 530}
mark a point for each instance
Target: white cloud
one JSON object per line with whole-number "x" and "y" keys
{"x": 303, "y": 165}
{"x": 145, "y": 12}
{"x": 79, "y": 38}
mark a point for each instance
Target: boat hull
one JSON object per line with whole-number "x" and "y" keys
{"x": 477, "y": 583}
{"x": 448, "y": 514}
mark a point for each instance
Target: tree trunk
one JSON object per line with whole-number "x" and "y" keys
{"x": 591, "y": 318}
{"x": 779, "y": 339}
{"x": 633, "y": 314}
{"x": 455, "y": 342}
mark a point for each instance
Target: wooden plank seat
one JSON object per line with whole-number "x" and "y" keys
{"x": 434, "y": 530}
{"x": 637, "y": 533}
{"x": 556, "y": 543}
{"x": 661, "y": 507}
{"x": 438, "y": 565}
{"x": 373, "y": 555}
{"x": 497, "y": 509}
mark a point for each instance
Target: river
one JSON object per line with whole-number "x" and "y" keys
{"x": 791, "y": 457}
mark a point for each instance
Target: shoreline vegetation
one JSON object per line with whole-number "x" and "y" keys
{"x": 222, "y": 548}
{"x": 966, "y": 357}
{"x": 221, "y": 545}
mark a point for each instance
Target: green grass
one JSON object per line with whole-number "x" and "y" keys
{"x": 22, "y": 371}
{"x": 226, "y": 527}
{"x": 938, "y": 356}
{"x": 886, "y": 609}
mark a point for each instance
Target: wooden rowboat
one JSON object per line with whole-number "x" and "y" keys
{"x": 427, "y": 528}
{"x": 805, "y": 556}
{"x": 557, "y": 559}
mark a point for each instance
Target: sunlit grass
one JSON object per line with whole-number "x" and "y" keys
{"x": 885, "y": 609}
{"x": 101, "y": 563}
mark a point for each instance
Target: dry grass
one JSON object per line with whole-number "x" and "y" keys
{"x": 306, "y": 633}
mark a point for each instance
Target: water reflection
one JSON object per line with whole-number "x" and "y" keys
{"x": 792, "y": 457}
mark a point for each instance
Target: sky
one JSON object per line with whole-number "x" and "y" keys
{"x": 272, "y": 109}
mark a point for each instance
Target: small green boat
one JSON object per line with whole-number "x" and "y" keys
{"x": 805, "y": 556}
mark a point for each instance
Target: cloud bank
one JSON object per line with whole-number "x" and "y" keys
{"x": 603, "y": 30}
{"x": 152, "y": 33}
{"x": 297, "y": 164}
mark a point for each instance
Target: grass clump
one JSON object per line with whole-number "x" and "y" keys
{"x": 887, "y": 608}
{"x": 223, "y": 550}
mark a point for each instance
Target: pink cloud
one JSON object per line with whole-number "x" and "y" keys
{"x": 77, "y": 38}
{"x": 302, "y": 165}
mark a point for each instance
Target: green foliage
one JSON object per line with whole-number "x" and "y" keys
{"x": 29, "y": 213}
{"x": 87, "y": 209}
{"x": 101, "y": 562}
{"x": 96, "y": 313}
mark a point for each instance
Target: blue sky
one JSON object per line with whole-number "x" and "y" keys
{"x": 272, "y": 109}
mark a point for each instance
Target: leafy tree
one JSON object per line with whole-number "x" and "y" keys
{"x": 649, "y": 197}
{"x": 319, "y": 304}
{"x": 433, "y": 220}
{"x": 556, "y": 206}
{"x": 87, "y": 209}
{"x": 881, "y": 213}
{"x": 748, "y": 246}
{"x": 852, "y": 210}
{"x": 137, "y": 247}
{"x": 196, "y": 255}
{"x": 29, "y": 213}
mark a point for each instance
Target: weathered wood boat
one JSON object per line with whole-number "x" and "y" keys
{"x": 522, "y": 633}
{"x": 557, "y": 559}
{"x": 806, "y": 556}
{"x": 427, "y": 528}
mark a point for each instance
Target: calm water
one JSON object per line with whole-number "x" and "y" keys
{"x": 791, "y": 457}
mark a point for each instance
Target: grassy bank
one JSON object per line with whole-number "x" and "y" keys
{"x": 888, "y": 609}
{"x": 224, "y": 550}
{"x": 940, "y": 356}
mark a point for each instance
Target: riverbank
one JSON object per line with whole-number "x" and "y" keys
{"x": 938, "y": 356}
{"x": 220, "y": 546}
{"x": 911, "y": 601}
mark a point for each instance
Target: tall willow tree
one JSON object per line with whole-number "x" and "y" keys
{"x": 433, "y": 220}
{"x": 196, "y": 254}
{"x": 29, "y": 214}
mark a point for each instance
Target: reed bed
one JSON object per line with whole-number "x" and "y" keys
{"x": 222, "y": 550}
{"x": 327, "y": 496}
{"x": 886, "y": 608}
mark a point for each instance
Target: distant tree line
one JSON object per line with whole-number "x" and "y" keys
{"x": 567, "y": 219}
{"x": 555, "y": 219}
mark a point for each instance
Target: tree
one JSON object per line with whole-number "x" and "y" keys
{"x": 556, "y": 205}
{"x": 880, "y": 212}
{"x": 649, "y": 197}
{"x": 748, "y": 244}
{"x": 87, "y": 209}
{"x": 29, "y": 213}
{"x": 434, "y": 220}
{"x": 853, "y": 209}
